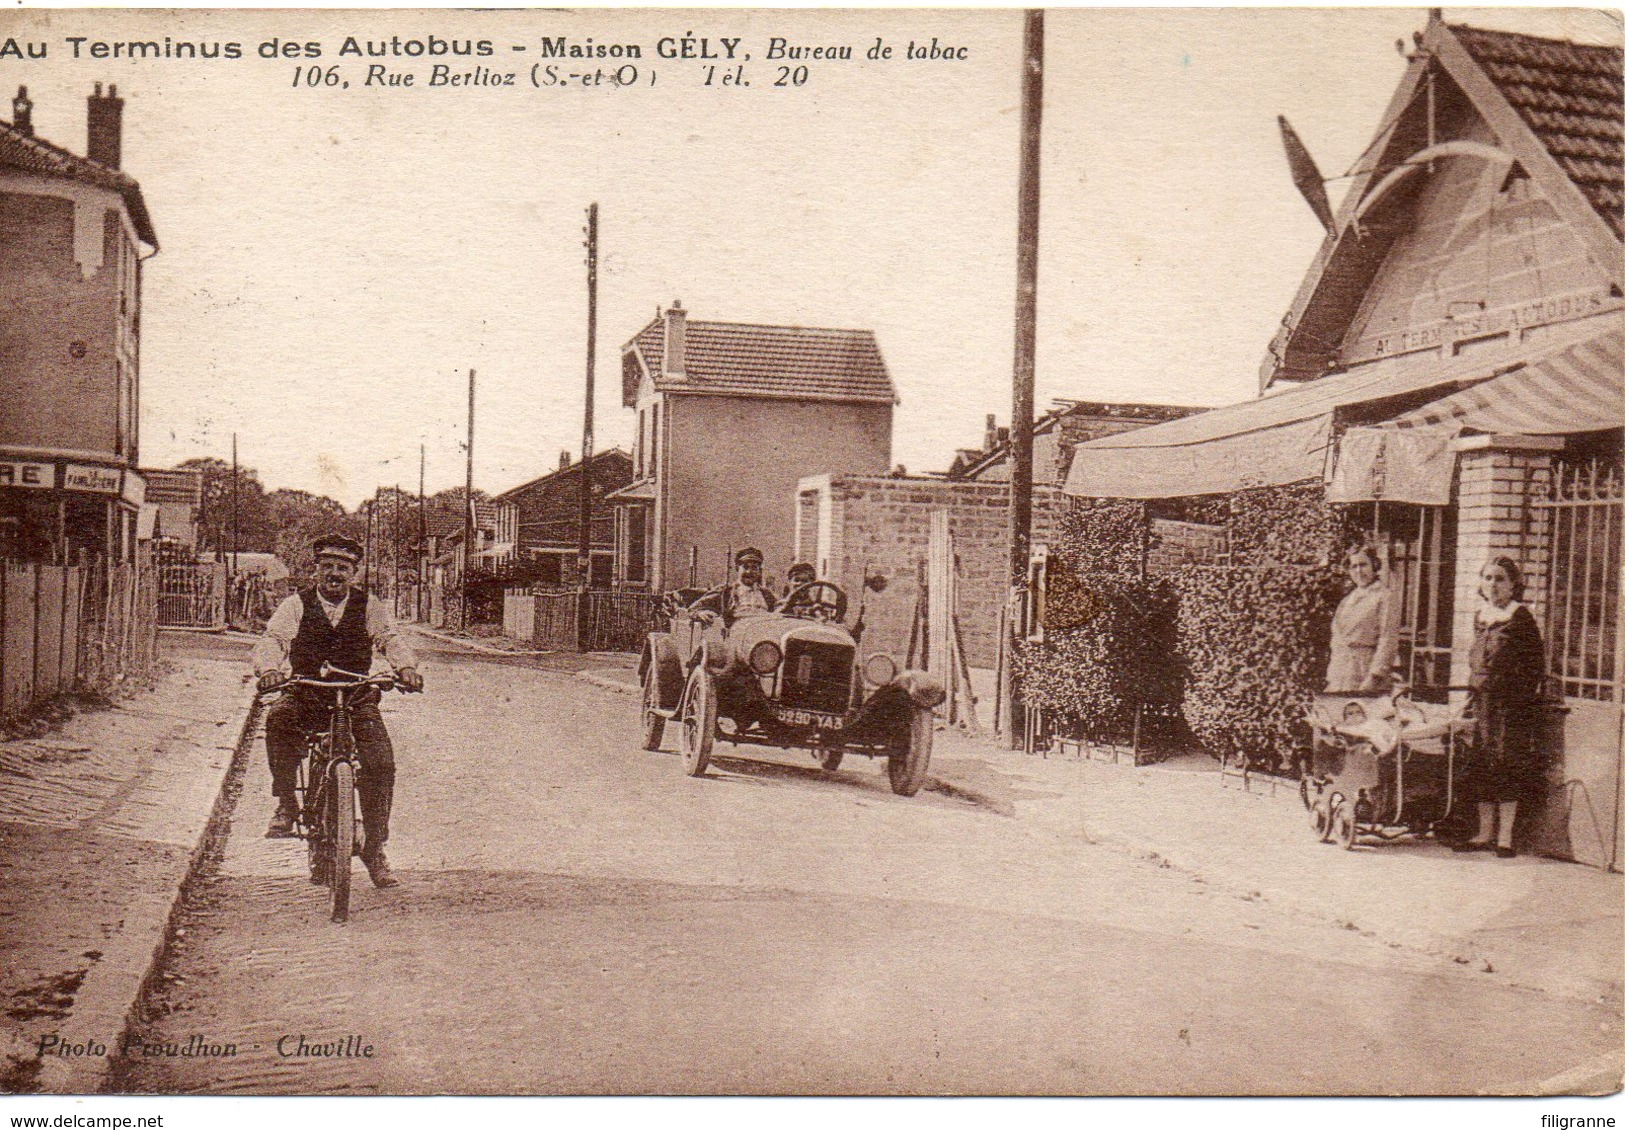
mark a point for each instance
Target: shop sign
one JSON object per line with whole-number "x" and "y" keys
{"x": 101, "y": 480}
{"x": 15, "y": 473}
{"x": 1482, "y": 323}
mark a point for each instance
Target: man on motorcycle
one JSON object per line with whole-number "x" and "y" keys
{"x": 337, "y": 623}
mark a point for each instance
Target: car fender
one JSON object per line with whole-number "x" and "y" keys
{"x": 923, "y": 688}
{"x": 660, "y": 662}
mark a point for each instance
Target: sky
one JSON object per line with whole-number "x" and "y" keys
{"x": 334, "y": 261}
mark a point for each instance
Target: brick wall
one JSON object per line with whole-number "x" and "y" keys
{"x": 1173, "y": 544}
{"x": 883, "y": 523}
{"x": 1493, "y": 519}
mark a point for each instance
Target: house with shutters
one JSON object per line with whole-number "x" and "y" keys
{"x": 1452, "y": 370}
{"x": 730, "y": 418}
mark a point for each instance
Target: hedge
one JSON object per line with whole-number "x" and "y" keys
{"x": 1092, "y": 679}
{"x": 1254, "y": 642}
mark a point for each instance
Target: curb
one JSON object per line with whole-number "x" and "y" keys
{"x": 106, "y": 1000}
{"x": 485, "y": 649}
{"x": 607, "y": 683}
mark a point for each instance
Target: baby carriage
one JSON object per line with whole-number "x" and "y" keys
{"x": 1383, "y": 765}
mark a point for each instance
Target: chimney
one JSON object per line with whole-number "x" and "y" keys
{"x": 104, "y": 128}
{"x": 22, "y": 112}
{"x": 990, "y": 438}
{"x": 677, "y": 339}
{"x": 564, "y": 460}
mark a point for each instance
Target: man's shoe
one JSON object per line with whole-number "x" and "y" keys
{"x": 1505, "y": 852}
{"x": 282, "y": 823}
{"x": 378, "y": 867}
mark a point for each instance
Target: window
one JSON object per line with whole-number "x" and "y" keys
{"x": 654, "y": 439}
{"x": 637, "y": 544}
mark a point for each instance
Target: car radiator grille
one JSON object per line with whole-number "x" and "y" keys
{"x": 816, "y": 676}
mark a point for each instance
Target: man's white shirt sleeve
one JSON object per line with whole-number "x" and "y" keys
{"x": 271, "y": 651}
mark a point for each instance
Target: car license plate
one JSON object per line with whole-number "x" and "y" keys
{"x": 810, "y": 718}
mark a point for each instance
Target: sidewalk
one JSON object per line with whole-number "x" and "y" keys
{"x": 100, "y": 824}
{"x": 1541, "y": 923}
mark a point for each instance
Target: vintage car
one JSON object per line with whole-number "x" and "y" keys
{"x": 789, "y": 679}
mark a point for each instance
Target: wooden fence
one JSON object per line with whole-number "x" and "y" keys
{"x": 81, "y": 628}
{"x": 592, "y": 621}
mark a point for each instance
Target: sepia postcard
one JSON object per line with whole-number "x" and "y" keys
{"x": 812, "y": 552}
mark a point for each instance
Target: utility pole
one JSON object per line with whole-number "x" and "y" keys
{"x": 468, "y": 501}
{"x": 234, "y": 526}
{"x": 1021, "y": 400}
{"x": 584, "y": 540}
{"x": 423, "y": 535}
{"x": 372, "y": 507}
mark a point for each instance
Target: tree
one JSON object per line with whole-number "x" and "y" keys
{"x": 299, "y": 518}
{"x": 255, "y": 529}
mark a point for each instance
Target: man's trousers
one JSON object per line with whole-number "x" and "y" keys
{"x": 288, "y": 724}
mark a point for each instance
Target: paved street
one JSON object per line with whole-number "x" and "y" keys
{"x": 577, "y": 916}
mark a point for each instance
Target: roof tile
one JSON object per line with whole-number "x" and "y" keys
{"x": 742, "y": 359}
{"x": 24, "y": 151}
{"x": 1573, "y": 97}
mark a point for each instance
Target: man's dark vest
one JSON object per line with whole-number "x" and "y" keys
{"x": 347, "y": 647}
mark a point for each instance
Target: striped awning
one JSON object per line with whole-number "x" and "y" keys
{"x": 1581, "y": 389}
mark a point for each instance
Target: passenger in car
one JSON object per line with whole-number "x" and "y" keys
{"x": 745, "y": 596}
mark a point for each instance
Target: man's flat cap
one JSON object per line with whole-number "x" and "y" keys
{"x": 337, "y": 545}
{"x": 749, "y": 553}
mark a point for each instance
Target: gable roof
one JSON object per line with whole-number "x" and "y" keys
{"x": 30, "y": 154}
{"x": 745, "y": 359}
{"x": 611, "y": 455}
{"x": 1554, "y": 109}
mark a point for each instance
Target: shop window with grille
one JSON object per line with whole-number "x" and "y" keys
{"x": 1583, "y": 509}
{"x": 1422, "y": 565}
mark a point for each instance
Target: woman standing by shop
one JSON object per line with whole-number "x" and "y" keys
{"x": 1364, "y": 630}
{"x": 1507, "y": 664}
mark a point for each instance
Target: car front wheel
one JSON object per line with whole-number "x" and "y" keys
{"x": 699, "y": 721}
{"x": 654, "y": 726}
{"x": 907, "y": 767}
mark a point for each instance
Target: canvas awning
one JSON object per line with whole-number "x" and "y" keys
{"x": 1580, "y": 388}
{"x": 1281, "y": 438}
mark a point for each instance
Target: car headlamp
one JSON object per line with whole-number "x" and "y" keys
{"x": 879, "y": 669}
{"x": 765, "y": 657}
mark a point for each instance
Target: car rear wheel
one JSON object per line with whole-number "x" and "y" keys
{"x": 699, "y": 721}
{"x": 907, "y": 767}
{"x": 654, "y": 726}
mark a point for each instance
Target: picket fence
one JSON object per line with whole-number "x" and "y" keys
{"x": 74, "y": 629}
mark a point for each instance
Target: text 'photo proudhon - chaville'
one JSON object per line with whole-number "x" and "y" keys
{"x": 806, "y": 552}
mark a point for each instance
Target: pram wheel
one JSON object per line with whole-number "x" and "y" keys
{"x": 1320, "y": 819}
{"x": 1344, "y": 830}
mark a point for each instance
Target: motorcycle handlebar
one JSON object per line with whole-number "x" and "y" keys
{"x": 350, "y": 681}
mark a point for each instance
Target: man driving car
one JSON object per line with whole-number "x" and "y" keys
{"x": 333, "y": 622}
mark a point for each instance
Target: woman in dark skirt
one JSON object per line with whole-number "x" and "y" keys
{"x": 1507, "y": 664}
